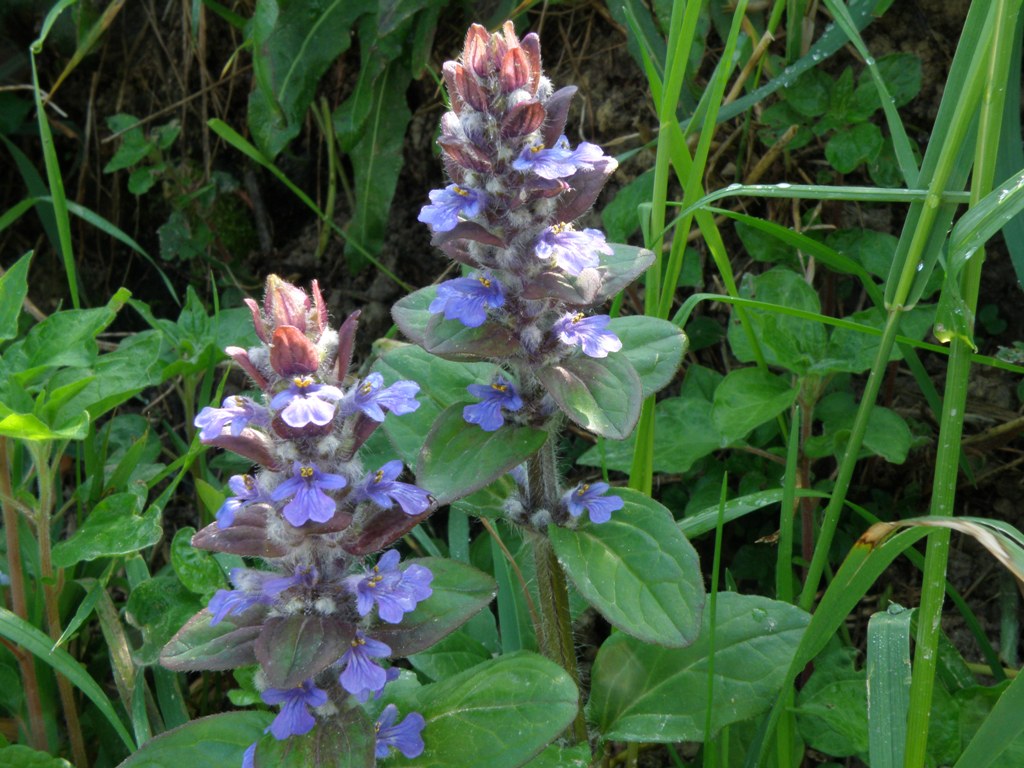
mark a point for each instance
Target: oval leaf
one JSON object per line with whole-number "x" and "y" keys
{"x": 460, "y": 592}
{"x": 226, "y": 645}
{"x": 498, "y": 714}
{"x": 600, "y": 394}
{"x": 648, "y": 693}
{"x": 216, "y": 740}
{"x": 112, "y": 528}
{"x": 746, "y": 399}
{"x": 459, "y": 458}
{"x": 638, "y": 570}
{"x": 295, "y": 648}
{"x": 653, "y": 347}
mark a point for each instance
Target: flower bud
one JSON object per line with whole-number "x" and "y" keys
{"x": 292, "y": 353}
{"x": 515, "y": 70}
{"x": 285, "y": 304}
{"x": 474, "y": 50}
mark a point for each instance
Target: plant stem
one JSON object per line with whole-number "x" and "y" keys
{"x": 554, "y": 633}
{"x": 27, "y": 665}
{"x": 51, "y": 592}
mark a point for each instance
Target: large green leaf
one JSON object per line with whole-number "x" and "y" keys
{"x": 13, "y": 290}
{"x": 455, "y": 653}
{"x": 294, "y": 648}
{"x": 746, "y": 399}
{"x": 459, "y": 592}
{"x": 638, "y": 570}
{"x": 196, "y": 569}
{"x": 215, "y": 740}
{"x": 654, "y": 348}
{"x": 443, "y": 383}
{"x": 498, "y": 714}
{"x": 20, "y": 756}
{"x": 159, "y": 607}
{"x": 459, "y": 458}
{"x": 226, "y": 645}
{"x": 602, "y": 395}
{"x": 114, "y": 527}
{"x": 293, "y": 43}
{"x": 644, "y": 692}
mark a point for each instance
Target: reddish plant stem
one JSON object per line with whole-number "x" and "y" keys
{"x": 19, "y": 604}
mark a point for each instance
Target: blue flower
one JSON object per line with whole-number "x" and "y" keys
{"x": 466, "y": 299}
{"x": 573, "y": 251}
{"x": 588, "y": 333}
{"x": 559, "y": 161}
{"x": 306, "y": 489}
{"x": 362, "y": 675}
{"x": 305, "y": 402}
{"x": 590, "y": 497}
{"x": 404, "y": 736}
{"x": 237, "y": 411}
{"x": 384, "y": 490}
{"x": 395, "y": 592}
{"x": 294, "y": 718}
{"x": 446, "y": 205}
{"x": 500, "y": 394}
{"x": 249, "y": 756}
{"x": 371, "y": 397}
{"x": 249, "y": 591}
{"x": 246, "y": 490}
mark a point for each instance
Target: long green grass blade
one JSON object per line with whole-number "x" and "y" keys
{"x": 1000, "y": 728}
{"x": 888, "y": 681}
{"x": 38, "y": 644}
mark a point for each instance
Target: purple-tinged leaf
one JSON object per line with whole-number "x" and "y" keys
{"x": 227, "y": 645}
{"x": 246, "y": 536}
{"x": 295, "y": 648}
{"x": 376, "y": 528}
{"x": 459, "y": 593}
{"x": 557, "y": 107}
{"x": 585, "y": 186}
{"x": 467, "y": 230}
{"x": 252, "y": 445}
{"x": 452, "y": 340}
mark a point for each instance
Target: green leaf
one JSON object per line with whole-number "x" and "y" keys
{"x": 556, "y": 756}
{"x": 620, "y": 217}
{"x": 638, "y": 689}
{"x": 134, "y": 145}
{"x": 887, "y": 433}
{"x": 13, "y": 290}
{"x": 810, "y": 94}
{"x": 20, "y": 756}
{"x": 65, "y": 338}
{"x": 159, "y": 607}
{"x": 455, "y": 653}
{"x": 114, "y": 527}
{"x": 854, "y": 352}
{"x": 25, "y": 426}
{"x": 498, "y": 714}
{"x": 344, "y": 741}
{"x": 850, "y": 147}
{"x": 602, "y": 395}
{"x": 215, "y": 740}
{"x": 376, "y": 162}
{"x": 789, "y": 342}
{"x": 196, "y": 569}
{"x": 198, "y": 646}
{"x": 459, "y": 458}
{"x": 459, "y": 593}
{"x": 293, "y": 43}
{"x": 685, "y": 434}
{"x": 653, "y": 347}
{"x": 36, "y": 642}
{"x": 637, "y": 570}
{"x": 746, "y": 399}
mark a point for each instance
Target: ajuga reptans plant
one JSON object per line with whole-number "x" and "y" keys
{"x": 318, "y": 618}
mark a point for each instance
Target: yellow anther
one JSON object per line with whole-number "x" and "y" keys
{"x": 306, "y": 473}
{"x": 248, "y": 481}
{"x": 377, "y": 478}
{"x": 367, "y": 388}
{"x": 499, "y": 387}
{"x": 460, "y": 191}
{"x": 577, "y": 317}
{"x": 484, "y": 281}
{"x": 536, "y": 148}
{"x": 561, "y": 227}
{"x": 583, "y": 489}
{"x": 303, "y": 381}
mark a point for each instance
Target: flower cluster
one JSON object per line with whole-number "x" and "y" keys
{"x": 533, "y": 276}
{"x": 312, "y": 513}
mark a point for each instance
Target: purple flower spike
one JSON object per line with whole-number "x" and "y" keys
{"x": 306, "y": 489}
{"x": 305, "y": 402}
{"x": 573, "y": 251}
{"x": 404, "y": 736}
{"x": 559, "y": 161}
{"x": 362, "y": 675}
{"x": 246, "y": 490}
{"x": 500, "y": 394}
{"x": 371, "y": 397}
{"x": 237, "y": 412}
{"x": 466, "y": 299}
{"x": 590, "y": 497}
{"x": 395, "y": 592}
{"x": 294, "y": 719}
{"x": 384, "y": 490}
{"x": 588, "y": 333}
{"x": 446, "y": 205}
